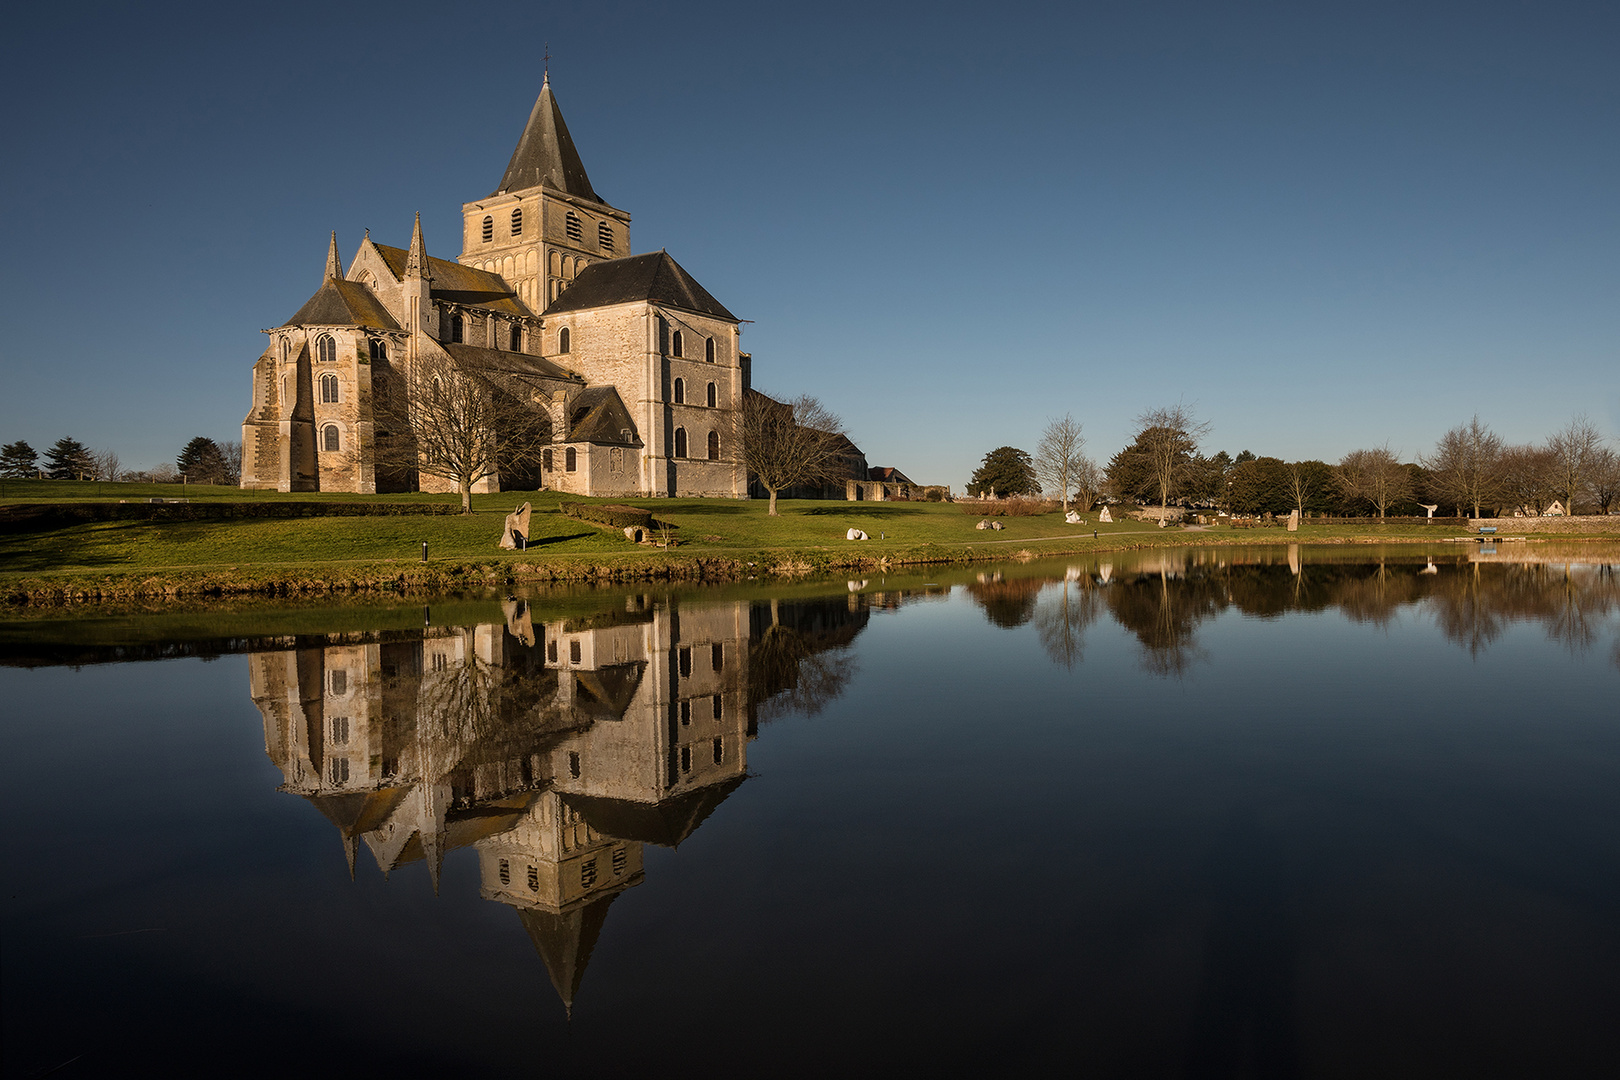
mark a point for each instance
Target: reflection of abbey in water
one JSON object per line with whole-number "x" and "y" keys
{"x": 555, "y": 750}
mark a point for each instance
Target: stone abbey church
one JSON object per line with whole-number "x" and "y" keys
{"x": 632, "y": 366}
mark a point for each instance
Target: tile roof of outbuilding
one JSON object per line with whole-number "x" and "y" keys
{"x": 653, "y": 277}
{"x": 602, "y": 418}
{"x": 478, "y": 358}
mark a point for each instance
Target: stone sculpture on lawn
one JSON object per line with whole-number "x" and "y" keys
{"x": 515, "y": 531}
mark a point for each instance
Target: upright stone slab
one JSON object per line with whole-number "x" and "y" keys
{"x": 517, "y": 524}
{"x": 1293, "y": 521}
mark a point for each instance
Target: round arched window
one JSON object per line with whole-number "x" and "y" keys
{"x": 680, "y": 442}
{"x": 675, "y": 341}
{"x": 680, "y": 391}
{"x": 714, "y": 446}
{"x": 330, "y": 438}
{"x": 329, "y": 389}
{"x": 713, "y": 396}
{"x": 325, "y": 349}
{"x": 563, "y": 340}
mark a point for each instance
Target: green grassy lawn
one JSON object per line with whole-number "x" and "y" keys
{"x": 254, "y": 552}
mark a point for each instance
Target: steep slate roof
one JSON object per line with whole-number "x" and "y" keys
{"x": 545, "y": 155}
{"x": 343, "y": 303}
{"x": 653, "y": 277}
{"x": 565, "y": 942}
{"x": 890, "y": 475}
{"x": 476, "y": 357}
{"x": 604, "y": 418}
{"x": 459, "y": 284}
{"x": 664, "y": 823}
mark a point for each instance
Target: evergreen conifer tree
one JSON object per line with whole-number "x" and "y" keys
{"x": 68, "y": 459}
{"x": 18, "y": 461}
{"x": 202, "y": 462}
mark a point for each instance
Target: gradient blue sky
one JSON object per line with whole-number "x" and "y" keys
{"x": 1326, "y": 226}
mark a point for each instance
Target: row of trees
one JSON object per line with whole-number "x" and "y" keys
{"x": 1472, "y": 471}
{"x": 202, "y": 461}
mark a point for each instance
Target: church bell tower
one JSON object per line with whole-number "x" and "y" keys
{"x": 544, "y": 223}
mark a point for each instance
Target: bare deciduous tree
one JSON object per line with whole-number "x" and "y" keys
{"x": 1058, "y": 456}
{"x": 1574, "y": 451}
{"x": 1088, "y": 484}
{"x": 1300, "y": 485}
{"x": 1167, "y": 443}
{"x": 1374, "y": 476}
{"x": 1467, "y": 466}
{"x": 231, "y": 451}
{"x": 1527, "y": 479}
{"x": 788, "y": 444}
{"x": 458, "y": 423}
{"x": 105, "y": 464}
{"x": 1606, "y": 480}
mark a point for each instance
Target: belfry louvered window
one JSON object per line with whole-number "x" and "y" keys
{"x": 489, "y": 229}
{"x": 604, "y": 235}
{"x": 517, "y": 222}
{"x": 571, "y": 223}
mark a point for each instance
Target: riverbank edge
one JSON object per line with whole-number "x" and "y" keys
{"x": 401, "y": 577}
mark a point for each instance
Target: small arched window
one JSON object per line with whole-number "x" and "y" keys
{"x": 329, "y": 389}
{"x": 570, "y": 459}
{"x": 563, "y": 340}
{"x": 708, "y": 349}
{"x": 379, "y": 349}
{"x": 457, "y": 328}
{"x": 675, "y": 344}
{"x": 571, "y": 223}
{"x": 489, "y": 229}
{"x": 517, "y": 222}
{"x": 680, "y": 442}
{"x": 517, "y": 337}
{"x": 325, "y": 349}
{"x": 714, "y": 446}
{"x": 680, "y": 391}
{"x": 604, "y": 235}
{"x": 330, "y": 438}
{"x": 713, "y": 396}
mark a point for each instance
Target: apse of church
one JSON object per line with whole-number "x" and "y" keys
{"x": 635, "y": 369}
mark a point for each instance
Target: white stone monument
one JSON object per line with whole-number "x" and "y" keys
{"x": 1106, "y": 516}
{"x": 517, "y": 525}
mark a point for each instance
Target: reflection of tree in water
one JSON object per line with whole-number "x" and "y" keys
{"x": 799, "y": 659}
{"x": 1062, "y": 615}
{"x": 1378, "y": 595}
{"x": 1007, "y": 603}
{"x": 1163, "y": 610}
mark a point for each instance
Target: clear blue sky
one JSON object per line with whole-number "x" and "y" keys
{"x": 1327, "y": 226}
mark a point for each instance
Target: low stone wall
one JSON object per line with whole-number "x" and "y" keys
{"x": 41, "y": 517}
{"x": 1587, "y": 523}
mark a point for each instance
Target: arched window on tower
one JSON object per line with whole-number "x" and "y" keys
{"x": 675, "y": 342}
{"x": 517, "y": 222}
{"x": 680, "y": 391}
{"x": 714, "y": 446}
{"x": 680, "y": 442}
{"x": 379, "y": 349}
{"x": 571, "y": 224}
{"x": 325, "y": 349}
{"x": 517, "y": 337}
{"x": 708, "y": 349}
{"x": 489, "y": 229}
{"x": 329, "y": 438}
{"x": 457, "y": 328}
{"x": 563, "y": 340}
{"x": 713, "y": 396}
{"x": 604, "y": 235}
{"x": 329, "y": 389}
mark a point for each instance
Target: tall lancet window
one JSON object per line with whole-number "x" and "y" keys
{"x": 325, "y": 349}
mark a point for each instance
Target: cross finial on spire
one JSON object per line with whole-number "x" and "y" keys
{"x": 546, "y": 60}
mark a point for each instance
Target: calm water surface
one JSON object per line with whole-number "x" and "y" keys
{"x": 1254, "y": 812}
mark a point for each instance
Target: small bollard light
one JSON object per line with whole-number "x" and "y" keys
{"x": 424, "y": 551}
{"x": 427, "y": 615}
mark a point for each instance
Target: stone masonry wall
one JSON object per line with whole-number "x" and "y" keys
{"x": 1589, "y": 523}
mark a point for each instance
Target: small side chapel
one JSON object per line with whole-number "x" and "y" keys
{"x": 636, "y": 368}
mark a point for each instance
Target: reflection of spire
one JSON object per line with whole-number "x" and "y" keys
{"x": 565, "y": 942}
{"x": 351, "y": 844}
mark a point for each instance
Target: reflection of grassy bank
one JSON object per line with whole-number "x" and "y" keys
{"x": 719, "y": 540}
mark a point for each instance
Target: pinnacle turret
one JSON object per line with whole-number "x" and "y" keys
{"x": 334, "y": 265}
{"x": 416, "y": 262}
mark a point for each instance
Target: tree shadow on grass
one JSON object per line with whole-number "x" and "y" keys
{"x": 859, "y": 509}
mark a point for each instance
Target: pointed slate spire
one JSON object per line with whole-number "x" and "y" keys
{"x": 546, "y": 155}
{"x": 416, "y": 262}
{"x": 334, "y": 265}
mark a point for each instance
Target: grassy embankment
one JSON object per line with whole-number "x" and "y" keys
{"x": 717, "y": 539}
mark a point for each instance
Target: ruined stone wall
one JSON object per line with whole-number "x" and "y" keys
{"x": 1589, "y": 523}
